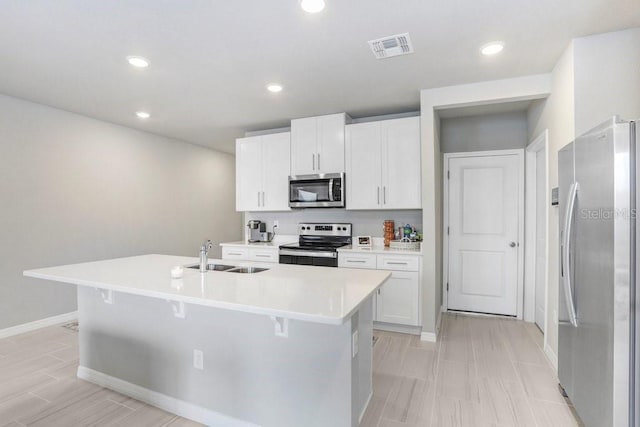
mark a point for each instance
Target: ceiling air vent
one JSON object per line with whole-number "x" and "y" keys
{"x": 386, "y": 47}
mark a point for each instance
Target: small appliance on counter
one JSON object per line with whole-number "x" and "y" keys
{"x": 258, "y": 231}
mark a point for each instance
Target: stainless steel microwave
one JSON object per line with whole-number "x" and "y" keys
{"x": 317, "y": 191}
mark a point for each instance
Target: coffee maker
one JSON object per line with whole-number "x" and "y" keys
{"x": 258, "y": 231}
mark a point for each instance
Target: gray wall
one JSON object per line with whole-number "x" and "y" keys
{"x": 484, "y": 132}
{"x": 75, "y": 189}
{"x": 556, "y": 114}
{"x": 596, "y": 78}
{"x": 607, "y": 78}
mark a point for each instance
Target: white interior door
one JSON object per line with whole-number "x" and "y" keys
{"x": 483, "y": 233}
{"x": 541, "y": 244}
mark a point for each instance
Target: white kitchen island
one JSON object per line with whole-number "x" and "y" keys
{"x": 290, "y": 346}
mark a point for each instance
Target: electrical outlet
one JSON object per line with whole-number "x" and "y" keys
{"x": 198, "y": 359}
{"x": 275, "y": 223}
{"x": 354, "y": 344}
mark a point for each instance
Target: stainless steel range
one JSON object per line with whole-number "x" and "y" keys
{"x": 317, "y": 245}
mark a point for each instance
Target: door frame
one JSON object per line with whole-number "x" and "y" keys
{"x": 445, "y": 221}
{"x": 541, "y": 142}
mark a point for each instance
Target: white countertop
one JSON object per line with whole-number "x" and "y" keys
{"x": 244, "y": 244}
{"x": 380, "y": 250}
{"x": 315, "y": 294}
{"x": 277, "y": 241}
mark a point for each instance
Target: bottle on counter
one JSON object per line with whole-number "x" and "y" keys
{"x": 389, "y": 231}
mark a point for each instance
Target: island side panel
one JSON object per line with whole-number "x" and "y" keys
{"x": 362, "y": 363}
{"x": 249, "y": 373}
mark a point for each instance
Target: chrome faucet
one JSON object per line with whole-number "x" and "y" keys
{"x": 204, "y": 251}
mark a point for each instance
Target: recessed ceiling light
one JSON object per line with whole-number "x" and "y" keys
{"x": 492, "y": 48}
{"x": 274, "y": 87}
{"x": 312, "y": 6}
{"x": 143, "y": 114}
{"x": 138, "y": 61}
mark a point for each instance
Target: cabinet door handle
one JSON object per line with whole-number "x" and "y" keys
{"x": 378, "y": 291}
{"x": 263, "y": 199}
{"x": 313, "y": 161}
{"x": 318, "y": 161}
{"x": 384, "y": 194}
{"x": 378, "y": 195}
{"x": 235, "y": 253}
{"x": 397, "y": 263}
{"x": 361, "y": 261}
{"x": 262, "y": 256}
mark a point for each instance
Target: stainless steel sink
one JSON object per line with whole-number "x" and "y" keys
{"x": 247, "y": 270}
{"x": 213, "y": 267}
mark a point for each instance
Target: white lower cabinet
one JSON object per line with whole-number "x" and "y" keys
{"x": 398, "y": 300}
{"x": 233, "y": 252}
{"x": 352, "y": 260}
{"x": 263, "y": 255}
{"x": 240, "y": 253}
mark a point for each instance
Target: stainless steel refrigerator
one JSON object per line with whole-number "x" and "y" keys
{"x": 597, "y": 337}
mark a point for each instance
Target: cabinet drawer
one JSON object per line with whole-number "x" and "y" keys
{"x": 398, "y": 262}
{"x": 263, "y": 255}
{"x": 235, "y": 253}
{"x": 356, "y": 260}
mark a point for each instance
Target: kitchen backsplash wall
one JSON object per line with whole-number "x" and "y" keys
{"x": 365, "y": 223}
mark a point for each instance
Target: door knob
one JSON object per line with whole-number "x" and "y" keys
{"x": 512, "y": 244}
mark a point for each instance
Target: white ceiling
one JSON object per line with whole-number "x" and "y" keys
{"x": 211, "y": 59}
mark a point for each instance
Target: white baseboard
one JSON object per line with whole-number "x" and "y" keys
{"x": 366, "y": 405}
{"x": 42, "y": 323}
{"x": 413, "y": 330}
{"x": 551, "y": 355}
{"x": 162, "y": 401}
{"x": 433, "y": 336}
{"x": 439, "y": 320}
{"x": 428, "y": 336}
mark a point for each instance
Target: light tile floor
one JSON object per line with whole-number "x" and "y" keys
{"x": 38, "y": 387}
{"x": 483, "y": 372}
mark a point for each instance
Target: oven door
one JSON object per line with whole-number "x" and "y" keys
{"x": 323, "y": 259}
{"x": 316, "y": 191}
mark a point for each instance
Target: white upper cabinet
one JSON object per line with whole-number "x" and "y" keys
{"x": 317, "y": 144}
{"x": 401, "y": 176}
{"x": 248, "y": 173}
{"x": 363, "y": 174}
{"x": 382, "y": 163}
{"x": 262, "y": 172}
{"x": 275, "y": 172}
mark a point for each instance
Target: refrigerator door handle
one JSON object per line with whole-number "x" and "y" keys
{"x": 566, "y": 253}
